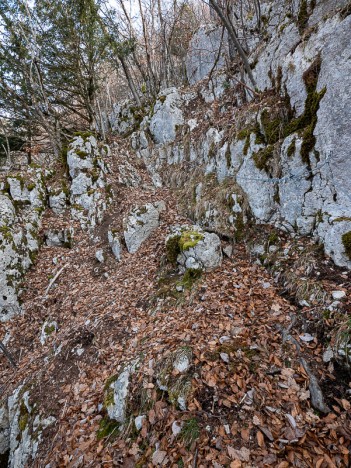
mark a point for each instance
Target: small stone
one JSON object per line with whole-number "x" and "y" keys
{"x": 223, "y": 339}
{"x": 338, "y": 294}
{"x": 334, "y": 305}
{"x": 99, "y": 255}
{"x": 181, "y": 363}
{"x": 179, "y": 288}
{"x": 328, "y": 355}
{"x": 139, "y": 422}
{"x": 228, "y": 251}
{"x": 158, "y": 458}
{"x": 306, "y": 337}
{"x": 266, "y": 285}
{"x": 192, "y": 263}
{"x": 225, "y": 357}
{"x": 177, "y": 427}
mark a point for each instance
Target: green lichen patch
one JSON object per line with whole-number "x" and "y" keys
{"x": 23, "y": 417}
{"x": 81, "y": 154}
{"x": 109, "y": 391}
{"x": 6, "y": 233}
{"x": 49, "y": 329}
{"x": 346, "y": 242}
{"x": 85, "y": 135}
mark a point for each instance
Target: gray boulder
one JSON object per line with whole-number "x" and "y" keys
{"x": 21, "y": 428}
{"x": 140, "y": 224}
{"x": 88, "y": 194}
{"x": 22, "y": 202}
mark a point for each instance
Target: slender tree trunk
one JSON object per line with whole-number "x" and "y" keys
{"x": 130, "y": 81}
{"x": 232, "y": 33}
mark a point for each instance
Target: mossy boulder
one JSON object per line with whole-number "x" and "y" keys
{"x": 191, "y": 248}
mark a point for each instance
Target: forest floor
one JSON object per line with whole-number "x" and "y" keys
{"x": 250, "y": 403}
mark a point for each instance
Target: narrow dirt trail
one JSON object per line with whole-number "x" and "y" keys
{"x": 250, "y": 403}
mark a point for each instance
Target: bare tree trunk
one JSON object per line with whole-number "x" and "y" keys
{"x": 130, "y": 81}
{"x": 147, "y": 51}
{"x": 232, "y": 33}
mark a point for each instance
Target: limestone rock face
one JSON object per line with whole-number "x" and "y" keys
{"x": 194, "y": 248}
{"x": 22, "y": 201}
{"x": 140, "y": 224}
{"x": 58, "y": 202}
{"x": 21, "y": 428}
{"x": 300, "y": 191}
{"x": 205, "y": 46}
{"x": 167, "y": 116}
{"x": 87, "y": 169}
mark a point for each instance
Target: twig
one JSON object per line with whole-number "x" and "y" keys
{"x": 54, "y": 279}
{"x": 195, "y": 458}
{"x": 7, "y": 354}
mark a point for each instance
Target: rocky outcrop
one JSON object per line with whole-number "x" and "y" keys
{"x": 87, "y": 170}
{"x": 167, "y": 116}
{"x": 116, "y": 394}
{"x": 140, "y": 224}
{"x": 21, "y": 428}
{"x": 285, "y": 162}
{"x": 22, "y": 202}
{"x": 207, "y": 51}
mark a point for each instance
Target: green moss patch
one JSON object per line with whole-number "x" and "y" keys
{"x": 190, "y": 277}
{"x": 271, "y": 123}
{"x": 307, "y": 122}
{"x": 173, "y": 249}
{"x": 107, "y": 428}
{"x": 189, "y": 239}
{"x": 291, "y": 148}
{"x": 346, "y": 241}
{"x": 262, "y": 158}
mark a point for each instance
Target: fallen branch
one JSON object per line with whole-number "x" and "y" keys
{"x": 317, "y": 399}
{"x": 54, "y": 279}
{"x": 7, "y": 354}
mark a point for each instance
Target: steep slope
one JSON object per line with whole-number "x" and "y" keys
{"x": 218, "y": 379}
{"x": 169, "y": 299}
